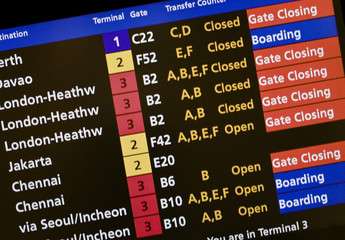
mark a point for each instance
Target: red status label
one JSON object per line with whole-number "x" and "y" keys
{"x": 127, "y": 103}
{"x": 301, "y": 74}
{"x": 297, "y": 53}
{"x": 308, "y": 157}
{"x": 148, "y": 226}
{"x": 144, "y": 206}
{"x": 141, "y": 185}
{"x": 123, "y": 82}
{"x": 304, "y": 94}
{"x": 289, "y": 12}
{"x": 305, "y": 115}
{"x": 130, "y": 123}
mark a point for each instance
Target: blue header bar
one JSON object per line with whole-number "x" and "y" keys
{"x": 128, "y": 18}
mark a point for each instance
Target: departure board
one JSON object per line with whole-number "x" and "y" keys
{"x": 202, "y": 120}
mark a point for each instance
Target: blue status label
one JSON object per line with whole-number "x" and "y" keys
{"x": 294, "y": 33}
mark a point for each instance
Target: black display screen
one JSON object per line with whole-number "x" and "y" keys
{"x": 203, "y": 120}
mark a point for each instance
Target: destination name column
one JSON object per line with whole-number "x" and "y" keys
{"x": 53, "y": 136}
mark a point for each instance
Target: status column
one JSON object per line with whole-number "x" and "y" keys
{"x": 301, "y": 78}
{"x": 132, "y": 134}
{"x": 299, "y": 64}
